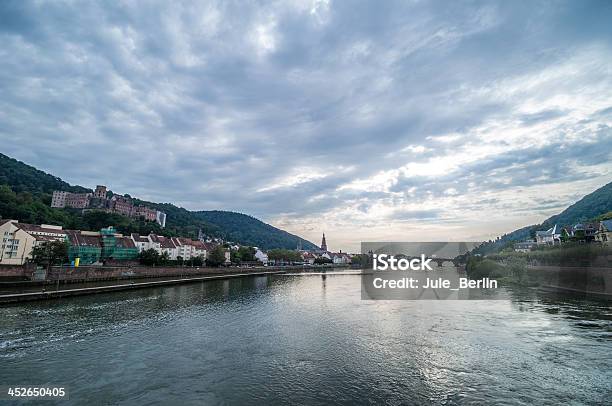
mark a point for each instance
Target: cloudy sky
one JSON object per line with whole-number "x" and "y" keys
{"x": 406, "y": 120}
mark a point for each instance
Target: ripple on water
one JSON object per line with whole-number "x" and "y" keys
{"x": 304, "y": 339}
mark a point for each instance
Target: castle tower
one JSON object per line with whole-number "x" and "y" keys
{"x": 100, "y": 192}
{"x": 323, "y": 243}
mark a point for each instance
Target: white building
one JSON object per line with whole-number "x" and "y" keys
{"x": 146, "y": 242}
{"x": 340, "y": 258}
{"x": 551, "y": 236}
{"x": 18, "y": 240}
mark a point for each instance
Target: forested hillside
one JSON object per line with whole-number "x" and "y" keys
{"x": 241, "y": 227}
{"x": 25, "y": 195}
{"x": 594, "y": 206}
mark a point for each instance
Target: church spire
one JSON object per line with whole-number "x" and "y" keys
{"x": 323, "y": 243}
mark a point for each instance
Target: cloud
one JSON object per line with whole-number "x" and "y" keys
{"x": 318, "y": 115}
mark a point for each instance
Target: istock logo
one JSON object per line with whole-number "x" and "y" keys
{"x": 384, "y": 262}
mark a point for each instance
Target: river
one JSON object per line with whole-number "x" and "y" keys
{"x": 305, "y": 339}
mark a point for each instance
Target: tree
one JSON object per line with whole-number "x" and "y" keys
{"x": 322, "y": 260}
{"x": 242, "y": 254}
{"x": 50, "y": 253}
{"x": 216, "y": 256}
{"x": 284, "y": 255}
{"x": 195, "y": 261}
{"x": 149, "y": 257}
{"x": 164, "y": 258}
{"x": 360, "y": 259}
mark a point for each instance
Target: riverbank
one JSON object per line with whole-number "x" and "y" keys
{"x": 45, "y": 294}
{"x": 63, "y": 281}
{"x": 592, "y": 279}
{"x": 28, "y": 275}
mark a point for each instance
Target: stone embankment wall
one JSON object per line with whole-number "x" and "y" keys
{"x": 16, "y": 272}
{"x": 100, "y": 273}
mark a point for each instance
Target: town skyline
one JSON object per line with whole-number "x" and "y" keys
{"x": 412, "y": 121}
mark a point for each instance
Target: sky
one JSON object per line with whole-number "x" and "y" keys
{"x": 369, "y": 121}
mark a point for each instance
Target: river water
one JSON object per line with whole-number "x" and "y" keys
{"x": 305, "y": 339}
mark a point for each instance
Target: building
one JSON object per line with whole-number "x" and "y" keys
{"x": 85, "y": 245}
{"x": 551, "y": 236}
{"x": 167, "y": 246}
{"x": 187, "y": 248}
{"x": 604, "y": 234}
{"x": 308, "y": 257}
{"x": 184, "y": 249}
{"x": 200, "y": 249}
{"x": 117, "y": 247}
{"x": 122, "y": 205}
{"x": 78, "y": 200}
{"x": 99, "y": 201}
{"x": 100, "y": 192}
{"x": 340, "y": 258}
{"x": 59, "y": 199}
{"x": 147, "y": 242}
{"x": 141, "y": 242}
{"x": 18, "y": 240}
{"x": 323, "y": 243}
{"x": 584, "y": 232}
{"x": 144, "y": 212}
{"x": 97, "y": 247}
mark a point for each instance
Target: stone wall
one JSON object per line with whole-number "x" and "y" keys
{"x": 16, "y": 272}
{"x": 88, "y": 273}
{"x": 93, "y": 273}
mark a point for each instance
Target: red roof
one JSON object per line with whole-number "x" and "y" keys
{"x": 38, "y": 229}
{"x": 77, "y": 239}
{"x": 125, "y": 242}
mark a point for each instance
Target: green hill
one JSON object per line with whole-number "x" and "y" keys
{"x": 25, "y": 195}
{"x": 591, "y": 207}
{"x": 247, "y": 229}
{"x": 588, "y": 208}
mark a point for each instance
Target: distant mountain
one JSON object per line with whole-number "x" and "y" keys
{"x": 590, "y": 207}
{"x": 250, "y": 231}
{"x": 25, "y": 195}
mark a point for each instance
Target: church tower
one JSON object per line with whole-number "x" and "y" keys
{"x": 323, "y": 243}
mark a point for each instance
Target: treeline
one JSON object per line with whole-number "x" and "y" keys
{"x": 514, "y": 270}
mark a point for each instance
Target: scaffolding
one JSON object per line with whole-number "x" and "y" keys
{"x": 88, "y": 254}
{"x": 116, "y": 247}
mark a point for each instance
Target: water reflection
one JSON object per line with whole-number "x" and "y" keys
{"x": 310, "y": 340}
